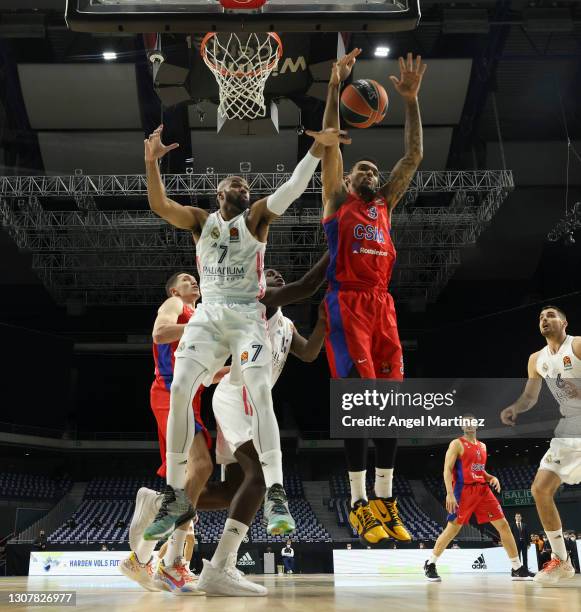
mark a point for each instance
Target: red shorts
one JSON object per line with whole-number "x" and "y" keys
{"x": 159, "y": 398}
{"x": 476, "y": 499}
{"x": 362, "y": 333}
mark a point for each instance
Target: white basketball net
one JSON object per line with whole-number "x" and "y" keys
{"x": 241, "y": 67}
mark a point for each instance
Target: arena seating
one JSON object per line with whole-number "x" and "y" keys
{"x": 106, "y": 513}
{"x": 108, "y": 500}
{"x": 421, "y": 526}
{"x": 516, "y": 477}
{"x": 124, "y": 487}
{"x": 339, "y": 485}
{"x": 511, "y": 477}
{"x": 32, "y": 486}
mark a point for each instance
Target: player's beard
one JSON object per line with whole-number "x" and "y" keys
{"x": 366, "y": 192}
{"x": 239, "y": 201}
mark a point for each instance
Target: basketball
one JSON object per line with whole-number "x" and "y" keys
{"x": 364, "y": 103}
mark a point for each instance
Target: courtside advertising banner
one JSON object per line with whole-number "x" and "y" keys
{"x": 71, "y": 563}
{"x": 491, "y": 560}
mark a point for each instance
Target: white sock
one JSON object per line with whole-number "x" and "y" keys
{"x": 176, "y": 469}
{"x": 175, "y": 546}
{"x": 144, "y": 550}
{"x": 515, "y": 562}
{"x": 230, "y": 540}
{"x": 271, "y": 462}
{"x": 384, "y": 482}
{"x": 433, "y": 559}
{"x": 557, "y": 543}
{"x": 357, "y": 484}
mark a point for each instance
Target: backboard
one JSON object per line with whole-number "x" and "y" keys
{"x": 187, "y": 16}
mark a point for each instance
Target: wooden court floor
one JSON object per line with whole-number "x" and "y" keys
{"x": 316, "y": 593}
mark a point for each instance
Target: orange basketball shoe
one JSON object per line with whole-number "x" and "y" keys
{"x": 369, "y": 529}
{"x": 385, "y": 511}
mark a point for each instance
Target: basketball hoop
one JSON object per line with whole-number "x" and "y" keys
{"x": 241, "y": 64}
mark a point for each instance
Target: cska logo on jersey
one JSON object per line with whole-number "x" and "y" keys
{"x": 379, "y": 202}
{"x": 234, "y": 234}
{"x": 567, "y": 365}
{"x": 372, "y": 212}
{"x": 244, "y": 358}
{"x": 385, "y": 367}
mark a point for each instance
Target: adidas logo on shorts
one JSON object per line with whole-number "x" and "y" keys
{"x": 246, "y": 559}
{"x": 479, "y": 563}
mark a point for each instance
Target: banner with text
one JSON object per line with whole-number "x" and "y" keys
{"x": 517, "y": 497}
{"x": 411, "y": 561}
{"x": 72, "y": 563}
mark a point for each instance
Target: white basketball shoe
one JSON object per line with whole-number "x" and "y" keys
{"x": 555, "y": 570}
{"x": 142, "y": 573}
{"x": 227, "y": 581}
{"x": 147, "y": 504}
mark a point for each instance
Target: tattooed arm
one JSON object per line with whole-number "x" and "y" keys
{"x": 407, "y": 86}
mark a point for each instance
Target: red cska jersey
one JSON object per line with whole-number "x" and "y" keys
{"x": 360, "y": 245}
{"x": 163, "y": 354}
{"x": 470, "y": 466}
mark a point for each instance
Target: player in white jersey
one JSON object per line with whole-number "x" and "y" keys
{"x": 230, "y": 245}
{"x": 234, "y": 444}
{"x": 559, "y": 363}
{"x": 242, "y": 490}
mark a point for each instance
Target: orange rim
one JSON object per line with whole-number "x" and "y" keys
{"x": 225, "y": 72}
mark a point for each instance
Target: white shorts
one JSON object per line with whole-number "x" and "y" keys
{"x": 218, "y": 330}
{"x": 564, "y": 459}
{"x": 233, "y": 416}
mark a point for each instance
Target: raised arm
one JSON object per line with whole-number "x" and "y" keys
{"x": 308, "y": 350}
{"x": 298, "y": 290}
{"x": 166, "y": 328}
{"x": 266, "y": 210}
{"x": 529, "y": 396}
{"x": 452, "y": 454}
{"x": 334, "y": 189}
{"x": 183, "y": 217}
{"x": 408, "y": 86}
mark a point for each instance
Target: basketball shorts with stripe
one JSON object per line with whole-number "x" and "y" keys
{"x": 219, "y": 330}
{"x": 362, "y": 334}
{"x": 233, "y": 414}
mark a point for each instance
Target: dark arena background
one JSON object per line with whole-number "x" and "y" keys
{"x": 486, "y": 235}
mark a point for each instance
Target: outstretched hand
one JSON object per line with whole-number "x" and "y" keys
{"x": 411, "y": 74}
{"x": 329, "y": 137}
{"x": 343, "y": 66}
{"x": 154, "y": 148}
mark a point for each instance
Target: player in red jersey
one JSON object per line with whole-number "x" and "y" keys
{"x": 362, "y": 337}
{"x": 467, "y": 493}
{"x": 183, "y": 293}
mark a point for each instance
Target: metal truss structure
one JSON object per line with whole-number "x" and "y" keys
{"x": 124, "y": 256}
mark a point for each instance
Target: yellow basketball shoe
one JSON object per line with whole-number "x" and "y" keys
{"x": 369, "y": 529}
{"x": 385, "y": 511}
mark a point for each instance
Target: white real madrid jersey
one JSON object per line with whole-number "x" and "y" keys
{"x": 230, "y": 261}
{"x": 280, "y": 332}
{"x": 556, "y": 369}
